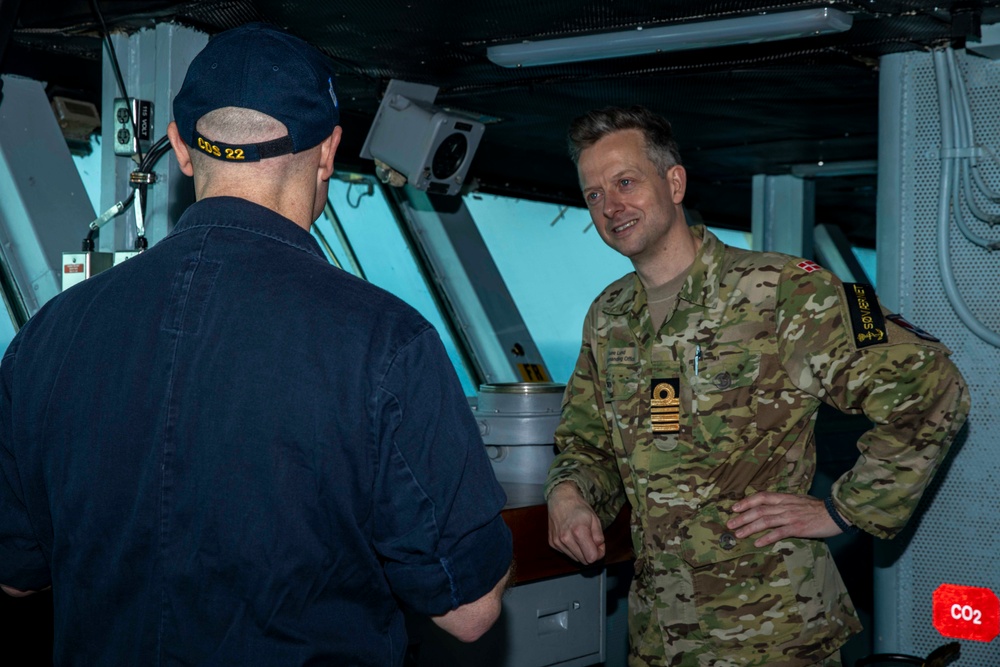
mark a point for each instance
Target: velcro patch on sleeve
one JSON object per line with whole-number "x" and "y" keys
{"x": 808, "y": 266}
{"x": 867, "y": 322}
{"x": 901, "y": 321}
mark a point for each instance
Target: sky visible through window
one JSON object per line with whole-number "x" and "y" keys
{"x": 554, "y": 264}
{"x": 384, "y": 256}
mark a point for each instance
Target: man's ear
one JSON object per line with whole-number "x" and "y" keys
{"x": 677, "y": 180}
{"x": 181, "y": 149}
{"x": 327, "y": 150}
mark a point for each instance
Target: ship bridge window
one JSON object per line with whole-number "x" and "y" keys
{"x": 7, "y": 324}
{"x": 554, "y": 264}
{"x": 360, "y": 233}
{"x": 550, "y": 257}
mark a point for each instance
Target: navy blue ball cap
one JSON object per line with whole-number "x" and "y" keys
{"x": 260, "y": 67}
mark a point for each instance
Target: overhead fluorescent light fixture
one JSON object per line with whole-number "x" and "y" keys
{"x": 680, "y": 37}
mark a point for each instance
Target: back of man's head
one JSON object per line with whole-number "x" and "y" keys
{"x": 246, "y": 86}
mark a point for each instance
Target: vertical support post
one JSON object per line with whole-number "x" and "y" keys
{"x": 44, "y": 208}
{"x": 889, "y": 206}
{"x": 153, "y": 63}
{"x": 501, "y": 345}
{"x": 833, "y": 251}
{"x": 783, "y": 214}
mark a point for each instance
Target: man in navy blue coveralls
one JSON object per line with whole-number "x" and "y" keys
{"x": 226, "y": 451}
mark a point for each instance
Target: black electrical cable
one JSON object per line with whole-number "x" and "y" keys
{"x": 156, "y": 151}
{"x": 88, "y": 241}
{"x": 145, "y": 162}
{"x": 160, "y": 148}
{"x": 118, "y": 75}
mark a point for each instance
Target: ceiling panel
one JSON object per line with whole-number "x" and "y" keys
{"x": 737, "y": 111}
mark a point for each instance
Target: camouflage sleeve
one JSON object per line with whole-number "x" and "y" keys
{"x": 837, "y": 343}
{"x": 586, "y": 456}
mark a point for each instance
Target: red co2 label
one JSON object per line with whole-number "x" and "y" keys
{"x": 966, "y": 612}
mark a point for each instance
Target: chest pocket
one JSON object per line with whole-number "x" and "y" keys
{"x": 621, "y": 384}
{"x": 645, "y": 428}
{"x": 724, "y": 401}
{"x": 621, "y": 395}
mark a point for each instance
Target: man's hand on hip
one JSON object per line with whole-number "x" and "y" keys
{"x": 574, "y": 528}
{"x": 783, "y": 515}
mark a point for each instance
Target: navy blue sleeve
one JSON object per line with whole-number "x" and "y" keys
{"x": 22, "y": 564}
{"x": 438, "y": 526}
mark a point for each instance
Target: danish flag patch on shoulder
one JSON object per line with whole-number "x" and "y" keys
{"x": 809, "y": 266}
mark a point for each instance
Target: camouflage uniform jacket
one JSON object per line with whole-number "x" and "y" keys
{"x": 719, "y": 404}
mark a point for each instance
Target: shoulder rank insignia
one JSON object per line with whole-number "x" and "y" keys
{"x": 867, "y": 322}
{"x": 901, "y": 321}
{"x": 665, "y": 405}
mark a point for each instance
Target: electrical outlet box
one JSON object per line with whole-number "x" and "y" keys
{"x": 78, "y": 266}
{"x": 122, "y": 255}
{"x": 129, "y": 139}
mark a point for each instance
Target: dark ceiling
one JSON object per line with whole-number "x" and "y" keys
{"x": 737, "y": 111}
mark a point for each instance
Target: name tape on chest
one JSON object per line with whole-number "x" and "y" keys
{"x": 665, "y": 405}
{"x": 622, "y": 355}
{"x": 867, "y": 322}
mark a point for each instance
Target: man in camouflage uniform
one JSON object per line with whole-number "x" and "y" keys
{"x": 694, "y": 399}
